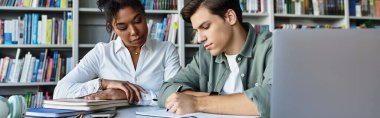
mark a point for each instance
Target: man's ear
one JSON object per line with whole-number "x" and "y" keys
{"x": 231, "y": 17}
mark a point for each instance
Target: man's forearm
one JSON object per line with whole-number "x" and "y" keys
{"x": 195, "y": 93}
{"x": 234, "y": 104}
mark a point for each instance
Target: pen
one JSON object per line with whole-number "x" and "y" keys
{"x": 179, "y": 89}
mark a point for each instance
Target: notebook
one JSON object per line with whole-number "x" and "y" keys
{"x": 46, "y": 112}
{"x": 164, "y": 114}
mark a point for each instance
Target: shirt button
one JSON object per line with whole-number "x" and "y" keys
{"x": 242, "y": 75}
{"x": 256, "y": 84}
{"x": 239, "y": 59}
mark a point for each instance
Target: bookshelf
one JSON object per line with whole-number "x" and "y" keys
{"x": 89, "y": 29}
{"x": 35, "y": 49}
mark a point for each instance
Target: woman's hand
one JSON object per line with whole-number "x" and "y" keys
{"x": 132, "y": 91}
{"x": 108, "y": 94}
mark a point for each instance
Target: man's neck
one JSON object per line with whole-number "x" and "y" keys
{"x": 238, "y": 40}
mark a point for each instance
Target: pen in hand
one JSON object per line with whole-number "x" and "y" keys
{"x": 179, "y": 89}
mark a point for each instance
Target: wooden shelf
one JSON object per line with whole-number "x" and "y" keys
{"x": 35, "y": 9}
{"x": 309, "y": 16}
{"x": 34, "y": 46}
{"x": 28, "y": 84}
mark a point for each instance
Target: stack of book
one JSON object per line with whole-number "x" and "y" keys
{"x": 74, "y": 107}
{"x": 84, "y": 105}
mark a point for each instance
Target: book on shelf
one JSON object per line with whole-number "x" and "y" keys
{"x": 299, "y": 26}
{"x": 159, "y": 4}
{"x": 254, "y": 6}
{"x": 37, "y": 3}
{"x": 309, "y": 7}
{"x": 33, "y": 28}
{"x": 83, "y": 104}
{"x": 1, "y": 31}
{"x": 46, "y": 112}
{"x": 48, "y": 67}
{"x": 361, "y": 8}
{"x": 166, "y": 30}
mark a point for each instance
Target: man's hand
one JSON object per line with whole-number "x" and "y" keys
{"x": 132, "y": 91}
{"x": 180, "y": 103}
{"x": 108, "y": 94}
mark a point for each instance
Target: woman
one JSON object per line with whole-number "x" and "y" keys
{"x": 131, "y": 67}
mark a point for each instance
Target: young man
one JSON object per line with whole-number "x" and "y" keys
{"x": 235, "y": 63}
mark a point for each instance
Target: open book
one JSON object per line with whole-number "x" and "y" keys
{"x": 164, "y": 114}
{"x": 84, "y": 105}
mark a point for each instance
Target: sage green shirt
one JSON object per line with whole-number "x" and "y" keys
{"x": 207, "y": 73}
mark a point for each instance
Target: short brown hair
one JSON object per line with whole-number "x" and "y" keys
{"x": 217, "y": 7}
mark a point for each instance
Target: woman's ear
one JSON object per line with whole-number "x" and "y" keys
{"x": 231, "y": 17}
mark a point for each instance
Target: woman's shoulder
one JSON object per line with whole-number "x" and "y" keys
{"x": 102, "y": 46}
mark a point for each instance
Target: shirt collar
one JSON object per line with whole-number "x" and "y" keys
{"x": 120, "y": 45}
{"x": 247, "y": 50}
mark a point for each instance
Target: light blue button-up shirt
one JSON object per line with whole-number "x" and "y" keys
{"x": 158, "y": 62}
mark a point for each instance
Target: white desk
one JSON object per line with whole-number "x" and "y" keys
{"x": 130, "y": 112}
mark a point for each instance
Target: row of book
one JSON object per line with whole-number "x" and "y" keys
{"x": 166, "y": 30}
{"x": 159, "y": 4}
{"x": 37, "y": 29}
{"x": 49, "y": 67}
{"x": 364, "y": 8}
{"x": 309, "y": 7}
{"x": 299, "y": 26}
{"x": 36, "y": 100}
{"x": 254, "y": 6}
{"x": 37, "y": 3}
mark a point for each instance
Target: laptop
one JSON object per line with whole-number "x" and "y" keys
{"x": 326, "y": 74}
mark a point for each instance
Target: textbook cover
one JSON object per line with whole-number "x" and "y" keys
{"x": 46, "y": 112}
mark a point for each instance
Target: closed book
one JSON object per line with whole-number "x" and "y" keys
{"x": 1, "y": 31}
{"x": 377, "y": 11}
{"x": 49, "y": 70}
{"x": 46, "y": 112}
{"x": 82, "y": 104}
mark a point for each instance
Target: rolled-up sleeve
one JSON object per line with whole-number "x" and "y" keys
{"x": 188, "y": 77}
{"x": 260, "y": 94}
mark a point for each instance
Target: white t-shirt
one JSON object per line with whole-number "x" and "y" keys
{"x": 233, "y": 83}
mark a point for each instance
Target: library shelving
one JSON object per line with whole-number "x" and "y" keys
{"x": 26, "y": 22}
